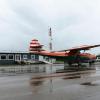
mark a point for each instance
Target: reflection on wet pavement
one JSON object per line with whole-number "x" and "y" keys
{"x": 36, "y": 82}
{"x": 90, "y": 84}
{"x": 72, "y": 77}
{"x": 52, "y": 86}
{"x": 51, "y": 82}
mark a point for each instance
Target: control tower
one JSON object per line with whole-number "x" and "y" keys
{"x": 35, "y": 46}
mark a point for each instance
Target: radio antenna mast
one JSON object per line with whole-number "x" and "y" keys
{"x": 50, "y": 48}
{"x": 50, "y": 37}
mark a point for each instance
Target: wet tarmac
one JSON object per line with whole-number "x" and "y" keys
{"x": 55, "y": 86}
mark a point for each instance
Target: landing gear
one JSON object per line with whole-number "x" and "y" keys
{"x": 79, "y": 64}
{"x": 70, "y": 64}
{"x": 91, "y": 63}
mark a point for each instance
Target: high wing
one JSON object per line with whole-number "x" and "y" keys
{"x": 84, "y": 47}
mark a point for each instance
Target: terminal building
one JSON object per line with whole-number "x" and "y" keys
{"x": 17, "y": 58}
{"x": 23, "y": 57}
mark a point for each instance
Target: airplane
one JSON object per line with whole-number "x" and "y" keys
{"x": 71, "y": 56}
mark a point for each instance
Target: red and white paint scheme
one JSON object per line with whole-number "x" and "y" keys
{"x": 35, "y": 46}
{"x": 72, "y": 55}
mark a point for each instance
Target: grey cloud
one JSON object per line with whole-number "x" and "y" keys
{"x": 73, "y": 22}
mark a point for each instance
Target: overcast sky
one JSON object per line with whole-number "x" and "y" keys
{"x": 73, "y": 23}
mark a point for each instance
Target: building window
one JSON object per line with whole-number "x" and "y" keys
{"x": 10, "y": 57}
{"x": 24, "y": 56}
{"x": 32, "y": 57}
{"x": 3, "y": 57}
{"x": 17, "y": 57}
{"x": 98, "y": 57}
{"x": 36, "y": 57}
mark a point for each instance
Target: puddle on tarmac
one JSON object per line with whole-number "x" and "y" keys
{"x": 90, "y": 84}
{"x": 36, "y": 82}
{"x": 72, "y": 77}
{"x": 47, "y": 82}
